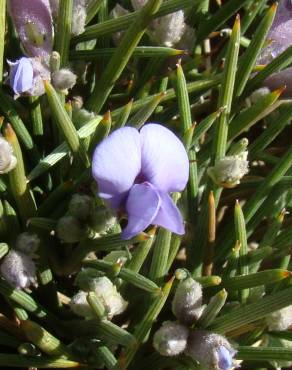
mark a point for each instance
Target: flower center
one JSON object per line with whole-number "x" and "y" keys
{"x": 140, "y": 179}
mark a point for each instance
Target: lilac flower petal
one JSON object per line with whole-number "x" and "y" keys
{"x": 21, "y": 75}
{"x": 142, "y": 206}
{"x": 168, "y": 215}
{"x": 280, "y": 79}
{"x": 225, "y": 358}
{"x": 165, "y": 162}
{"x": 33, "y": 22}
{"x": 280, "y": 33}
{"x": 117, "y": 162}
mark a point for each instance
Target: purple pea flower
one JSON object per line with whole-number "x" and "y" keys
{"x": 27, "y": 75}
{"x": 136, "y": 171}
{"x": 280, "y": 36}
{"x": 33, "y": 22}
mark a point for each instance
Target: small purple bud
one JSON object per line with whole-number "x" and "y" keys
{"x": 33, "y": 22}
{"x": 224, "y": 358}
{"x": 21, "y": 75}
{"x": 212, "y": 351}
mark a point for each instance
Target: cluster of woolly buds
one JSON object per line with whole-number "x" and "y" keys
{"x": 7, "y": 159}
{"x": 212, "y": 351}
{"x": 229, "y": 170}
{"x": 114, "y": 304}
{"x": 84, "y": 218}
{"x": 168, "y": 30}
{"x": 18, "y": 266}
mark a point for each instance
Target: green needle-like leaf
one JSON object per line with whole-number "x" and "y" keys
{"x": 121, "y": 56}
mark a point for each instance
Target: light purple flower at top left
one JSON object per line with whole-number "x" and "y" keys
{"x": 135, "y": 172}
{"x": 34, "y": 25}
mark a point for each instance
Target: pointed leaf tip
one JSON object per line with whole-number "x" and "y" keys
{"x": 280, "y": 90}
{"x": 107, "y": 117}
{"x": 9, "y": 133}
{"x": 274, "y": 7}
{"x": 237, "y": 22}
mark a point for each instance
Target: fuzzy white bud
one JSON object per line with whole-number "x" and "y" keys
{"x": 27, "y": 243}
{"x": 117, "y": 12}
{"x": 80, "y": 306}
{"x": 187, "y": 40}
{"x": 70, "y": 230}
{"x": 259, "y": 93}
{"x": 106, "y": 291}
{"x": 212, "y": 351}
{"x": 78, "y": 17}
{"x": 229, "y": 170}
{"x": 18, "y": 269}
{"x": 7, "y": 160}
{"x": 169, "y": 29}
{"x": 281, "y": 319}
{"x": 112, "y": 300}
{"x": 171, "y": 339}
{"x": 63, "y": 79}
{"x": 187, "y": 301}
{"x": 166, "y": 30}
{"x": 102, "y": 219}
{"x": 81, "y": 206}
